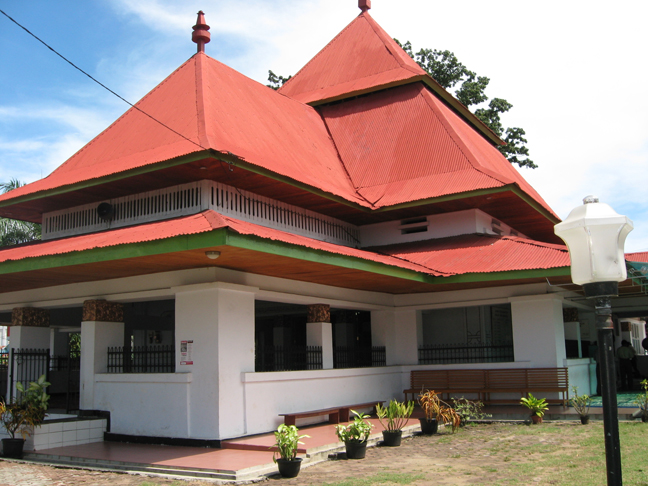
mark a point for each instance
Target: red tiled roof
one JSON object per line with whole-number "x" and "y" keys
{"x": 360, "y": 57}
{"x": 404, "y": 145}
{"x": 194, "y": 224}
{"x": 480, "y": 254}
{"x": 214, "y": 107}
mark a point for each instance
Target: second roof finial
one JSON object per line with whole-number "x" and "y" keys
{"x": 200, "y": 34}
{"x": 364, "y": 5}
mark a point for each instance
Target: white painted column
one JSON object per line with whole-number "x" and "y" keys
{"x": 538, "y": 330}
{"x": 24, "y": 337}
{"x": 96, "y": 338}
{"x": 217, "y": 320}
{"x": 321, "y": 334}
{"x": 398, "y": 331}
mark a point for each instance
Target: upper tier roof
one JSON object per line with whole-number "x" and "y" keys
{"x": 404, "y": 144}
{"x": 213, "y": 107}
{"x": 361, "y": 57}
{"x": 391, "y": 148}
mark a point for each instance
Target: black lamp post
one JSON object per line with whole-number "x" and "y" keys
{"x": 595, "y": 234}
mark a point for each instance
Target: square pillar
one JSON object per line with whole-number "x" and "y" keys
{"x": 215, "y": 324}
{"x": 319, "y": 332}
{"x": 398, "y": 331}
{"x": 29, "y": 330}
{"x": 538, "y": 330}
{"x": 102, "y": 328}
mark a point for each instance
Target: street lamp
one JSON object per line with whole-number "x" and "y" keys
{"x": 595, "y": 234}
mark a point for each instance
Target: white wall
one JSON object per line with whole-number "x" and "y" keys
{"x": 148, "y": 404}
{"x": 298, "y": 391}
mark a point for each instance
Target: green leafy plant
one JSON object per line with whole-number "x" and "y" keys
{"x": 642, "y": 398}
{"x": 469, "y": 410}
{"x": 397, "y": 414}
{"x": 287, "y": 441}
{"x": 538, "y": 406}
{"x": 580, "y": 403}
{"x": 27, "y": 410}
{"x": 436, "y": 409}
{"x": 356, "y": 431}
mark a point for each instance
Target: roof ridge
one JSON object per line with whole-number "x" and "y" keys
{"x": 113, "y": 124}
{"x": 389, "y": 42}
{"x": 201, "y": 115}
{"x": 458, "y": 140}
{"x": 323, "y": 49}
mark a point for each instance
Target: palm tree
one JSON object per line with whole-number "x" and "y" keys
{"x": 12, "y": 231}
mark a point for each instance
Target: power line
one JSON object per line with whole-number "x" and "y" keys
{"x": 100, "y": 83}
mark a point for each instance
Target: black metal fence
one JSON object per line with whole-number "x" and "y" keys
{"x": 142, "y": 359}
{"x": 355, "y": 357}
{"x": 465, "y": 353}
{"x": 292, "y": 358}
{"x": 27, "y": 365}
{"x": 4, "y": 374}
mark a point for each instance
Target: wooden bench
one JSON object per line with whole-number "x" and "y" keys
{"x": 484, "y": 383}
{"x": 335, "y": 414}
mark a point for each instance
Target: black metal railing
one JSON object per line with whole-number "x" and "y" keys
{"x": 27, "y": 365}
{"x": 4, "y": 374}
{"x": 142, "y": 359}
{"x": 465, "y": 353}
{"x": 65, "y": 363}
{"x": 288, "y": 358}
{"x": 359, "y": 357}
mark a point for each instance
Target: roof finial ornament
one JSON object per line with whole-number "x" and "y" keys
{"x": 200, "y": 34}
{"x": 364, "y": 5}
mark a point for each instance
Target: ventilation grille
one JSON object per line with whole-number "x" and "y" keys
{"x": 196, "y": 197}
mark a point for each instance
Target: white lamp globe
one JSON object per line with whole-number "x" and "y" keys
{"x": 595, "y": 234}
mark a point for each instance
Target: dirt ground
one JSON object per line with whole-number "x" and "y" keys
{"x": 481, "y": 455}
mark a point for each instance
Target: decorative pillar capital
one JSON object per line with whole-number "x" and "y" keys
{"x": 319, "y": 313}
{"x": 102, "y": 310}
{"x": 30, "y": 317}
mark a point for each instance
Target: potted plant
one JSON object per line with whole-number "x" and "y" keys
{"x": 396, "y": 416}
{"x": 355, "y": 435}
{"x": 436, "y": 410}
{"x": 581, "y": 403}
{"x": 22, "y": 414}
{"x": 287, "y": 441}
{"x": 642, "y": 401}
{"x": 469, "y": 410}
{"x": 537, "y": 407}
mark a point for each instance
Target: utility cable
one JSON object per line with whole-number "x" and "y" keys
{"x": 98, "y": 82}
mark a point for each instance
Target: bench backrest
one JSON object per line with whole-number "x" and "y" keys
{"x": 500, "y": 379}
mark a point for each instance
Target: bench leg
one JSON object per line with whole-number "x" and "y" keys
{"x": 290, "y": 419}
{"x": 334, "y": 417}
{"x": 344, "y": 414}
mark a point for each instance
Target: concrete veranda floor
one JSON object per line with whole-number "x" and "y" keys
{"x": 246, "y": 458}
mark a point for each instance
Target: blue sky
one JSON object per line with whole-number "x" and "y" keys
{"x": 575, "y": 72}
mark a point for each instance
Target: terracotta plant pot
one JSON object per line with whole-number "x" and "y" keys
{"x": 429, "y": 427}
{"x": 13, "y": 448}
{"x": 536, "y": 419}
{"x": 289, "y": 469}
{"x": 392, "y": 438}
{"x": 584, "y": 419}
{"x": 356, "y": 449}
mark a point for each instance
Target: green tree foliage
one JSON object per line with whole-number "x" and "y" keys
{"x": 13, "y": 232}
{"x": 275, "y": 81}
{"x": 470, "y": 89}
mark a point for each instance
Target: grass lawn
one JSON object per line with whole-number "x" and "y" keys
{"x": 561, "y": 453}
